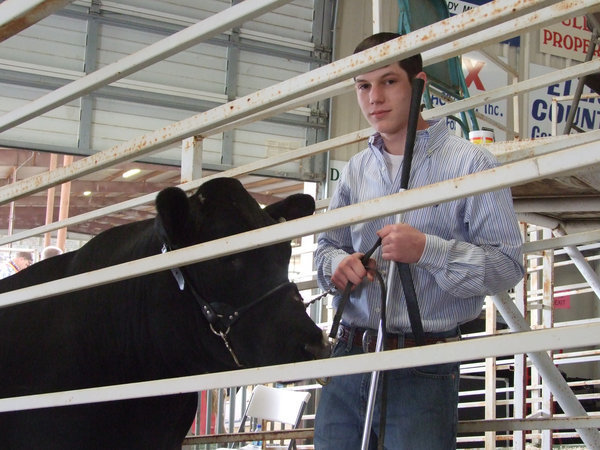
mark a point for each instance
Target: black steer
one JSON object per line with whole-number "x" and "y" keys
{"x": 146, "y": 328}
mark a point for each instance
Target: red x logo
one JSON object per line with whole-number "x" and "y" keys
{"x": 473, "y": 69}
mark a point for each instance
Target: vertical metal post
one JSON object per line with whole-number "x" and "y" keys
{"x": 520, "y": 376}
{"x": 535, "y": 321}
{"x": 50, "y": 201}
{"x": 547, "y": 322}
{"x": 232, "y": 408}
{"x": 209, "y": 411}
{"x": 63, "y": 211}
{"x": 490, "y": 375}
{"x": 219, "y": 426}
{"x": 377, "y": 15}
{"x": 191, "y": 159}
{"x": 524, "y": 60}
{"x": 11, "y": 214}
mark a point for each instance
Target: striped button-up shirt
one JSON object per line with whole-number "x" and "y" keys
{"x": 473, "y": 244}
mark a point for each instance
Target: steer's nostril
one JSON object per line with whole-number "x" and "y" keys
{"x": 319, "y": 351}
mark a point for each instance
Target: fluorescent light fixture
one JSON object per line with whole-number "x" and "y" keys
{"x": 87, "y": 193}
{"x": 131, "y": 173}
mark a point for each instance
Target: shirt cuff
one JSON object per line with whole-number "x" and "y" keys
{"x": 435, "y": 253}
{"x": 336, "y": 260}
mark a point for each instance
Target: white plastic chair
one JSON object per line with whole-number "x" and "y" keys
{"x": 277, "y": 405}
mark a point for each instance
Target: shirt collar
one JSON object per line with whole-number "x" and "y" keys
{"x": 431, "y": 138}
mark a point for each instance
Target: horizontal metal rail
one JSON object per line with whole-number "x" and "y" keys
{"x": 220, "y": 438}
{"x": 563, "y": 241}
{"x": 530, "y": 169}
{"x": 554, "y": 423}
{"x": 554, "y": 77}
{"x": 464, "y": 426}
{"x": 514, "y": 152}
{"x": 469, "y": 349}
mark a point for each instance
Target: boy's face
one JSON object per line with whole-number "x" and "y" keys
{"x": 384, "y": 98}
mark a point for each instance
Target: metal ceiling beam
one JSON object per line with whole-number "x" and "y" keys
{"x": 16, "y": 15}
{"x": 171, "y": 45}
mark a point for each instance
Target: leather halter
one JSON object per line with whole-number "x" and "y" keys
{"x": 220, "y": 322}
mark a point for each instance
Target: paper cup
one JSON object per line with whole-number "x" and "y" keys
{"x": 481, "y": 137}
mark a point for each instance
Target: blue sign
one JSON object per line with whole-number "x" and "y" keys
{"x": 459, "y": 6}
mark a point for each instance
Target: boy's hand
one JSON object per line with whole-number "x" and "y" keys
{"x": 351, "y": 270}
{"x": 402, "y": 243}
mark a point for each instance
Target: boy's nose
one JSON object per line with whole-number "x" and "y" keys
{"x": 375, "y": 95}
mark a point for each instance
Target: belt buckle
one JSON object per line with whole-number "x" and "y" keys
{"x": 369, "y": 341}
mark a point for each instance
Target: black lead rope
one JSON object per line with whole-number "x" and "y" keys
{"x": 412, "y": 305}
{"x": 346, "y": 294}
{"x": 383, "y": 405}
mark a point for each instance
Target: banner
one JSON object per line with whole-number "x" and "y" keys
{"x": 569, "y": 39}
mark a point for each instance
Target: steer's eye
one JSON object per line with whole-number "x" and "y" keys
{"x": 296, "y": 295}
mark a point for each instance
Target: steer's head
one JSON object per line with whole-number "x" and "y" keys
{"x": 272, "y": 326}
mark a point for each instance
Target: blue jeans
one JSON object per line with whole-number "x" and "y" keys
{"x": 422, "y": 408}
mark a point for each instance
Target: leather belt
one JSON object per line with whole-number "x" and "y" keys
{"x": 367, "y": 339}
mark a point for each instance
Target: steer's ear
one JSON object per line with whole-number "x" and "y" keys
{"x": 293, "y": 207}
{"x": 173, "y": 208}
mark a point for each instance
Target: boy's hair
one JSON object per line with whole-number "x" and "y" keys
{"x": 412, "y": 65}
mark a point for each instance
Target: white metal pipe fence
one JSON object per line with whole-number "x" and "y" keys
{"x": 581, "y": 154}
{"x": 418, "y": 41}
{"x": 513, "y": 152}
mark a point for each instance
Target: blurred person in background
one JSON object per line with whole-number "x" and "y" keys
{"x": 50, "y": 251}
{"x": 21, "y": 261}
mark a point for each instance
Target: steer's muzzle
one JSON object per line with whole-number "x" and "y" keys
{"x": 321, "y": 350}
